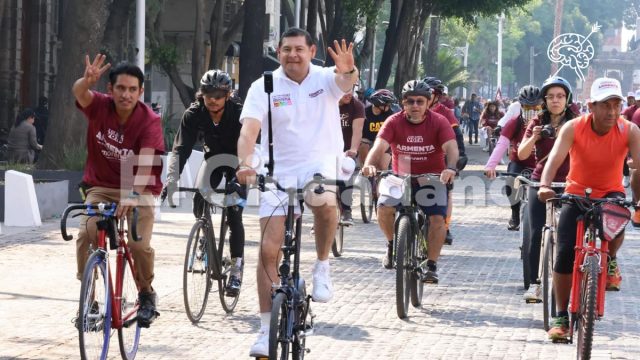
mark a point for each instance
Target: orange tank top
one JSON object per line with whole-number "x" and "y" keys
{"x": 596, "y": 161}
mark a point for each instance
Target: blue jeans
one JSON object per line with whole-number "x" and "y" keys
{"x": 473, "y": 128}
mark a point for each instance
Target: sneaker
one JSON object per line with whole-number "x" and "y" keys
{"x": 387, "y": 260}
{"x": 532, "y": 296}
{"x": 613, "y": 276}
{"x": 448, "y": 239}
{"x": 147, "y": 311}
{"x": 93, "y": 322}
{"x": 430, "y": 277}
{"x": 235, "y": 278}
{"x": 559, "y": 331}
{"x": 260, "y": 348}
{"x": 346, "y": 218}
{"x": 635, "y": 219}
{"x": 514, "y": 225}
{"x": 322, "y": 288}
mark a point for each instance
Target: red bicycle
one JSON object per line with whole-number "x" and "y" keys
{"x": 604, "y": 219}
{"x": 104, "y": 308}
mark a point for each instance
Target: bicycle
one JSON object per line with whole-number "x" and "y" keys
{"x": 103, "y": 308}
{"x": 547, "y": 259}
{"x": 604, "y": 219}
{"x": 205, "y": 259}
{"x": 368, "y": 197}
{"x": 291, "y": 316}
{"x": 410, "y": 243}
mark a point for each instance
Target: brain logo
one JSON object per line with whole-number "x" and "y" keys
{"x": 572, "y": 50}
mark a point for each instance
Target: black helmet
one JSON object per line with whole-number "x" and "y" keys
{"x": 215, "y": 79}
{"x": 382, "y": 97}
{"x": 529, "y": 95}
{"x": 556, "y": 81}
{"x": 435, "y": 84}
{"x": 416, "y": 88}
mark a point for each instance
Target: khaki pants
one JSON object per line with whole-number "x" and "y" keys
{"x": 142, "y": 252}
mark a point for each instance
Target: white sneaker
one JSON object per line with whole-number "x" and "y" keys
{"x": 260, "y": 348}
{"x": 322, "y": 288}
{"x": 625, "y": 181}
{"x": 532, "y": 296}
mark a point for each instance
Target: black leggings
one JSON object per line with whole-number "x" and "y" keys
{"x": 537, "y": 211}
{"x": 513, "y": 167}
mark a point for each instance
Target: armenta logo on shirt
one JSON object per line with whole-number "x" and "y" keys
{"x": 281, "y": 100}
{"x": 316, "y": 93}
{"x": 110, "y": 151}
{"x": 415, "y": 139}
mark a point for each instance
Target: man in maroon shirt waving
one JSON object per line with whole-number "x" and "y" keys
{"x": 124, "y": 143}
{"x": 419, "y": 140}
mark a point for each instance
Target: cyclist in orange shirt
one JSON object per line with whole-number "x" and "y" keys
{"x": 598, "y": 144}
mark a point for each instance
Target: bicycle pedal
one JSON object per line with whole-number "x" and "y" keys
{"x": 561, "y": 341}
{"x": 533, "y": 301}
{"x": 262, "y": 358}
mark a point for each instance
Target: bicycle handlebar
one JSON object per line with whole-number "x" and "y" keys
{"x": 530, "y": 182}
{"x": 104, "y": 210}
{"x": 318, "y": 179}
{"x": 580, "y": 201}
{"x": 193, "y": 190}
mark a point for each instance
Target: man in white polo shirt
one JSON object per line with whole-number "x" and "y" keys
{"x": 307, "y": 139}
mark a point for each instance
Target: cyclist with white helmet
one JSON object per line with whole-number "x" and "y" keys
{"x": 215, "y": 115}
{"x": 375, "y": 115}
{"x": 529, "y": 104}
{"x": 419, "y": 140}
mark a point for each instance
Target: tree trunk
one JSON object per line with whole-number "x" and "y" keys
{"x": 363, "y": 59}
{"x": 390, "y": 46}
{"x": 312, "y": 20}
{"x": 287, "y": 11}
{"x": 410, "y": 38}
{"x": 252, "y": 44}
{"x": 216, "y": 32}
{"x": 114, "y": 43}
{"x": 221, "y": 45}
{"x": 80, "y": 37}
{"x": 197, "y": 50}
{"x": 432, "y": 45}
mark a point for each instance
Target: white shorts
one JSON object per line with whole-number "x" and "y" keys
{"x": 274, "y": 202}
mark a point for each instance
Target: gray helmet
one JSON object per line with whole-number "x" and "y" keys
{"x": 436, "y": 85}
{"x": 382, "y": 97}
{"x": 530, "y": 95}
{"x": 215, "y": 79}
{"x": 416, "y": 88}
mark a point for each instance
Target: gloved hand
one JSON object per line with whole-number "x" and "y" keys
{"x": 169, "y": 188}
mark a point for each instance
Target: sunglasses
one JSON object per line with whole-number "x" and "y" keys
{"x": 411, "y": 102}
{"x": 216, "y": 94}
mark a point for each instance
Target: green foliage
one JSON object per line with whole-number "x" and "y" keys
{"x": 74, "y": 157}
{"x": 164, "y": 55}
{"x": 450, "y": 70}
{"x": 168, "y": 130}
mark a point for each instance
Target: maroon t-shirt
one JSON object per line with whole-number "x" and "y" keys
{"x": 111, "y": 147}
{"x": 491, "y": 120}
{"x": 348, "y": 112}
{"x": 628, "y": 112}
{"x": 541, "y": 149}
{"x": 514, "y": 131}
{"x": 417, "y": 148}
{"x": 446, "y": 112}
{"x": 636, "y": 117}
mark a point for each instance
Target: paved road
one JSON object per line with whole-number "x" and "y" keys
{"x": 476, "y": 311}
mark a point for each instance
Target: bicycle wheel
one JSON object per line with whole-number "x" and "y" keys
{"x": 195, "y": 280}
{"x": 417, "y": 286}
{"x": 586, "y": 316}
{"x": 129, "y": 333}
{"x": 338, "y": 238}
{"x": 224, "y": 254}
{"x": 279, "y": 332}
{"x": 547, "y": 266}
{"x": 304, "y": 323}
{"x": 366, "y": 200}
{"x": 94, "y": 313}
{"x": 403, "y": 266}
{"x": 525, "y": 240}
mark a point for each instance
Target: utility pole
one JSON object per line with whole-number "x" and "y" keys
{"x": 140, "y": 12}
{"x": 531, "y": 55}
{"x": 372, "y": 65}
{"x": 500, "y": 28}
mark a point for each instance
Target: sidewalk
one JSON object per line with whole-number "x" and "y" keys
{"x": 476, "y": 312}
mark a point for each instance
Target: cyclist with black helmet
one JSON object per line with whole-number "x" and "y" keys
{"x": 539, "y": 139}
{"x": 528, "y": 105}
{"x": 375, "y": 115}
{"x": 216, "y": 116}
{"x": 437, "y": 105}
{"x": 419, "y": 139}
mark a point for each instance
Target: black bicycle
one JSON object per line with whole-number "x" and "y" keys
{"x": 207, "y": 259}
{"x": 410, "y": 244}
{"x": 368, "y": 197}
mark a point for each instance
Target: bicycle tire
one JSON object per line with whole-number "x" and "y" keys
{"x": 586, "y": 316}
{"x": 366, "y": 200}
{"x": 279, "y": 332}
{"x": 417, "y": 286}
{"x": 547, "y": 266}
{"x": 403, "y": 270}
{"x": 224, "y": 254}
{"x": 94, "y": 312}
{"x": 338, "y": 242}
{"x": 525, "y": 241}
{"x": 196, "y": 270}
{"x": 304, "y": 323}
{"x": 128, "y": 337}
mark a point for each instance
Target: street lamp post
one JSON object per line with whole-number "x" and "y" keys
{"x": 372, "y": 64}
{"x": 500, "y": 28}
{"x": 140, "y": 13}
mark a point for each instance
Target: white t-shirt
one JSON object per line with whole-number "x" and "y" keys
{"x": 307, "y": 136}
{"x": 512, "y": 112}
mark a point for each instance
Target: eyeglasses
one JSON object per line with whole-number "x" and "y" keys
{"x": 557, "y": 97}
{"x": 216, "y": 94}
{"x": 411, "y": 102}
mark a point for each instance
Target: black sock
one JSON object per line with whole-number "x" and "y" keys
{"x": 432, "y": 265}
{"x": 564, "y": 313}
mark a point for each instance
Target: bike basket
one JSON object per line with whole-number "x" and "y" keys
{"x": 614, "y": 220}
